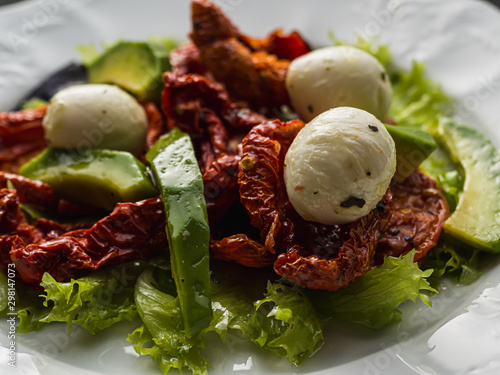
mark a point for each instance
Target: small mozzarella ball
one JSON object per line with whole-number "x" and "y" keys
{"x": 335, "y": 77}
{"x": 95, "y": 116}
{"x": 339, "y": 166}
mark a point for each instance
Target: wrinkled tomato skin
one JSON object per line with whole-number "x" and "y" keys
{"x": 156, "y": 124}
{"x": 253, "y": 70}
{"x": 419, "y": 213}
{"x": 185, "y": 97}
{"x": 132, "y": 231}
{"x": 21, "y": 136}
{"x": 339, "y": 254}
{"x": 202, "y": 108}
{"x": 287, "y": 47}
{"x": 261, "y": 184}
{"x": 13, "y": 223}
{"x": 30, "y": 191}
{"x": 42, "y": 195}
{"x": 221, "y": 187}
{"x": 243, "y": 250}
{"x": 352, "y": 260}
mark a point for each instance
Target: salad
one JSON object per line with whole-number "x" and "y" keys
{"x": 240, "y": 147}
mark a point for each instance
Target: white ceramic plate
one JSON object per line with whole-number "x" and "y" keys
{"x": 458, "y": 40}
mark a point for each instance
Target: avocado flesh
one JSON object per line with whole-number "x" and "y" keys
{"x": 99, "y": 178}
{"x": 135, "y": 66}
{"x": 476, "y": 220}
{"x": 413, "y": 146}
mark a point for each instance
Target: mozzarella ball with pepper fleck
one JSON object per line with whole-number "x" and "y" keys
{"x": 339, "y": 166}
{"x": 95, "y": 116}
{"x": 338, "y": 76}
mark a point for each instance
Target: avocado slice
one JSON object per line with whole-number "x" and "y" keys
{"x": 413, "y": 146}
{"x": 135, "y": 66}
{"x": 99, "y": 178}
{"x": 476, "y": 220}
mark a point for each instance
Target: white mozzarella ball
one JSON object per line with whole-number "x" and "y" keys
{"x": 335, "y": 77}
{"x": 339, "y": 166}
{"x": 95, "y": 116}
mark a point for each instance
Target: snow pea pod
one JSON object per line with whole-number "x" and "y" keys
{"x": 178, "y": 176}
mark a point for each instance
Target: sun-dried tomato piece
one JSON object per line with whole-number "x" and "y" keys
{"x": 287, "y": 47}
{"x": 156, "y": 124}
{"x": 21, "y": 126}
{"x": 419, "y": 212}
{"x": 311, "y": 254}
{"x": 30, "y": 191}
{"x": 13, "y": 220}
{"x": 52, "y": 229}
{"x": 242, "y": 249}
{"x": 202, "y": 108}
{"x": 243, "y": 64}
{"x": 185, "y": 59}
{"x": 221, "y": 186}
{"x": 21, "y": 137}
{"x": 14, "y": 228}
{"x": 42, "y": 195}
{"x": 132, "y": 231}
{"x": 262, "y": 190}
{"x": 262, "y": 195}
{"x": 333, "y": 270}
{"x": 185, "y": 96}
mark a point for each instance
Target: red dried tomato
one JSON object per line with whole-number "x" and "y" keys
{"x": 419, "y": 212}
{"x": 185, "y": 59}
{"x": 156, "y": 124}
{"x": 262, "y": 190}
{"x": 287, "y": 47}
{"x": 339, "y": 260}
{"x": 313, "y": 255}
{"x": 250, "y": 69}
{"x": 261, "y": 193}
{"x": 12, "y": 219}
{"x": 42, "y": 195}
{"x": 221, "y": 187}
{"x": 202, "y": 108}
{"x": 30, "y": 191}
{"x": 243, "y": 250}
{"x": 132, "y": 231}
{"x": 21, "y": 137}
{"x": 184, "y": 98}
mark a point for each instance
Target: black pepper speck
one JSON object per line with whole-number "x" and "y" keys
{"x": 353, "y": 201}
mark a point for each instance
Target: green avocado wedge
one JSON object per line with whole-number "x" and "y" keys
{"x": 413, "y": 146}
{"x": 135, "y": 66}
{"x": 476, "y": 220}
{"x": 178, "y": 176}
{"x": 100, "y": 178}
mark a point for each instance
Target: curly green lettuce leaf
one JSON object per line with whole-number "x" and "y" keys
{"x": 381, "y": 52}
{"x": 33, "y": 103}
{"x": 372, "y": 301}
{"x": 463, "y": 263}
{"x": 291, "y": 327}
{"x": 283, "y": 322}
{"x": 450, "y": 179}
{"x": 417, "y": 100}
{"x": 162, "y": 334}
{"x": 94, "y": 302}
